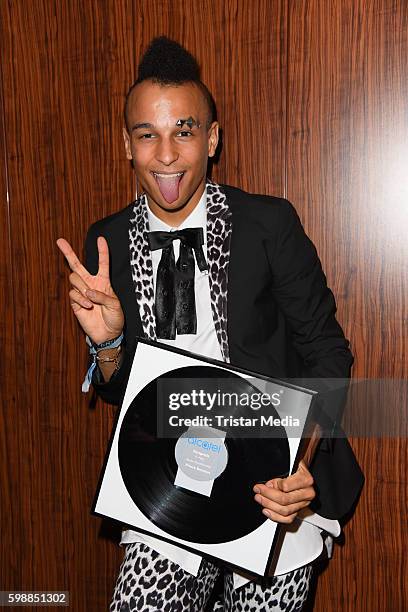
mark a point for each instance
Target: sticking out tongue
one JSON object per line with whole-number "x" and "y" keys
{"x": 169, "y": 187}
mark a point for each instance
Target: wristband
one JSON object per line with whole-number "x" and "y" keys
{"x": 113, "y": 343}
{"x": 93, "y": 351}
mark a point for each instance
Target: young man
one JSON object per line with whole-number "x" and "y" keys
{"x": 252, "y": 293}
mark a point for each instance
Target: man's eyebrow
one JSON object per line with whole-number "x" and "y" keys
{"x": 138, "y": 126}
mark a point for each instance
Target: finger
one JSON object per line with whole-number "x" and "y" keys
{"x": 98, "y": 297}
{"x": 302, "y": 468}
{"x": 78, "y": 300}
{"x": 283, "y": 498}
{"x": 103, "y": 252}
{"x": 75, "y": 307}
{"x": 278, "y": 518}
{"x": 275, "y": 483}
{"x": 284, "y": 510}
{"x": 71, "y": 258}
{"x": 291, "y": 499}
{"x": 300, "y": 480}
{"x": 78, "y": 283}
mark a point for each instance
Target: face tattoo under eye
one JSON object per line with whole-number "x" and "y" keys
{"x": 190, "y": 122}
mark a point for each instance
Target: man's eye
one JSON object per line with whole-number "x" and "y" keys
{"x": 146, "y": 136}
{"x": 185, "y": 133}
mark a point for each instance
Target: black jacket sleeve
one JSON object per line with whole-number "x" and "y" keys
{"x": 308, "y": 305}
{"x": 301, "y": 291}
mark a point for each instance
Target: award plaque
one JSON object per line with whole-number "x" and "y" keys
{"x": 192, "y": 438}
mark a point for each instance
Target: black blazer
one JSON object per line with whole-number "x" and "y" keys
{"x": 280, "y": 319}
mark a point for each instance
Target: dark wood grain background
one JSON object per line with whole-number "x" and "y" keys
{"x": 312, "y": 98}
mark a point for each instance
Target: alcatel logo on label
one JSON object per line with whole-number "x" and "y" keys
{"x": 215, "y": 448}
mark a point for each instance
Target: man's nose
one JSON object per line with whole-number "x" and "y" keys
{"x": 166, "y": 151}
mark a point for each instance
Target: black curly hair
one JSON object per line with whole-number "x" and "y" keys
{"x": 166, "y": 62}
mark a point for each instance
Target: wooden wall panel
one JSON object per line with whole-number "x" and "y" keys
{"x": 65, "y": 71}
{"x": 347, "y": 155}
{"x": 311, "y": 96}
{"x": 8, "y": 372}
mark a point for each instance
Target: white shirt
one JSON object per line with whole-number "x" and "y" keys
{"x": 302, "y": 542}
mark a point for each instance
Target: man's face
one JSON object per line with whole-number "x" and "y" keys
{"x": 170, "y": 143}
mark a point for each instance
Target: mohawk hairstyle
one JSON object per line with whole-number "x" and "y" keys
{"x": 166, "y": 62}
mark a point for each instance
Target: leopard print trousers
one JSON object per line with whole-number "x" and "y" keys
{"x": 148, "y": 582}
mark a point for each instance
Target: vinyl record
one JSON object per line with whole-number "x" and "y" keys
{"x": 148, "y": 467}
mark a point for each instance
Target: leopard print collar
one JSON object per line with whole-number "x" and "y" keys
{"x": 219, "y": 229}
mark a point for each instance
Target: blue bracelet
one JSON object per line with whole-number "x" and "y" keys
{"x": 93, "y": 351}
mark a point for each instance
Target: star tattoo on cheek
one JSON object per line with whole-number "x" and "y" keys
{"x": 190, "y": 122}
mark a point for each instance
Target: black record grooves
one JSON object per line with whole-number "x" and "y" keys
{"x": 149, "y": 468}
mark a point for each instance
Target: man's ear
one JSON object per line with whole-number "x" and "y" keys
{"x": 128, "y": 149}
{"x": 213, "y": 137}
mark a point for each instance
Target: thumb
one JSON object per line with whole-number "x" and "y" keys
{"x": 305, "y": 473}
{"x": 98, "y": 297}
{"x": 302, "y": 467}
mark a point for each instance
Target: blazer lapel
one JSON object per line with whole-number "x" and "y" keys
{"x": 142, "y": 267}
{"x": 219, "y": 228}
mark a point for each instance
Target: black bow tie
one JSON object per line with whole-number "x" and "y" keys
{"x": 175, "y": 306}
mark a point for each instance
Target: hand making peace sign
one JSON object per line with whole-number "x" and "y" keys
{"x": 93, "y": 300}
